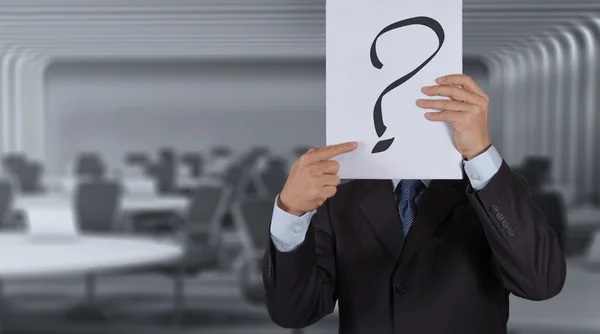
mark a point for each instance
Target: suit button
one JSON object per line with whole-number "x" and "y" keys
{"x": 505, "y": 224}
{"x": 400, "y": 288}
{"x": 495, "y": 208}
{"x": 499, "y": 216}
{"x": 510, "y": 232}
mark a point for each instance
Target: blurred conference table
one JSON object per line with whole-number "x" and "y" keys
{"x": 129, "y": 202}
{"x": 33, "y": 255}
{"x": 26, "y": 255}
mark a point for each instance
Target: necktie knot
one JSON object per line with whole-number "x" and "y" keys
{"x": 406, "y": 192}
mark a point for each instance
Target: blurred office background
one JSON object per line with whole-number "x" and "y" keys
{"x": 143, "y": 143}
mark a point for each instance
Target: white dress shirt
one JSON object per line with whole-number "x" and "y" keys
{"x": 288, "y": 231}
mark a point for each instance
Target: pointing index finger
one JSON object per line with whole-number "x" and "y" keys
{"x": 329, "y": 152}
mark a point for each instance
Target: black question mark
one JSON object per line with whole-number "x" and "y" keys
{"x": 434, "y": 25}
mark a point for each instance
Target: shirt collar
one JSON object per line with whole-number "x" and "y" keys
{"x": 425, "y": 182}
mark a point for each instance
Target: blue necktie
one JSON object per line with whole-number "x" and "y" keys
{"x": 406, "y": 193}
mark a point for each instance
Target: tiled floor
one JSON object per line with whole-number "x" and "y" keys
{"x": 138, "y": 304}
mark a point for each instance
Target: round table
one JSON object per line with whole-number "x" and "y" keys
{"x": 25, "y": 255}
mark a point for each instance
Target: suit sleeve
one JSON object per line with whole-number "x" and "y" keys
{"x": 300, "y": 284}
{"x": 526, "y": 251}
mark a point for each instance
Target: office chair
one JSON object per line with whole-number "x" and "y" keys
{"x": 90, "y": 165}
{"x": 30, "y": 181}
{"x": 252, "y": 218}
{"x": 201, "y": 236}
{"x": 137, "y": 159}
{"x": 195, "y": 164}
{"x": 8, "y": 220}
{"x": 14, "y": 162}
{"x": 271, "y": 180}
{"x": 96, "y": 207}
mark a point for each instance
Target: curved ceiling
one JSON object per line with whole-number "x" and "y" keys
{"x": 243, "y": 28}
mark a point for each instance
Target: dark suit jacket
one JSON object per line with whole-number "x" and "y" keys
{"x": 465, "y": 253}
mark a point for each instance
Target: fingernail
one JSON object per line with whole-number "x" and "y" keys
{"x": 426, "y": 88}
{"x": 421, "y": 101}
{"x": 353, "y": 144}
{"x": 428, "y": 114}
{"x": 441, "y": 79}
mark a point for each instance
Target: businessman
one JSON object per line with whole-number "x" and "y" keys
{"x": 411, "y": 256}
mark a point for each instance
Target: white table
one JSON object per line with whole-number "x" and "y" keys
{"x": 25, "y": 255}
{"x": 584, "y": 216}
{"x": 129, "y": 203}
{"x": 574, "y": 310}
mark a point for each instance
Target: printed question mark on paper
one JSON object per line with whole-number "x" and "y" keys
{"x": 434, "y": 25}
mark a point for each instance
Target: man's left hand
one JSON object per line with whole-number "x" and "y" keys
{"x": 467, "y": 110}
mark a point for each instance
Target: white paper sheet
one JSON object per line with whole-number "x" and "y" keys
{"x": 421, "y": 149}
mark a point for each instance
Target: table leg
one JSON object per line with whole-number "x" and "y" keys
{"x": 89, "y": 309}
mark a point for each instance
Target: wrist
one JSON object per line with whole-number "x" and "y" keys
{"x": 282, "y": 204}
{"x": 478, "y": 152}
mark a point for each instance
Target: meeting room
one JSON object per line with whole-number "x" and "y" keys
{"x": 144, "y": 145}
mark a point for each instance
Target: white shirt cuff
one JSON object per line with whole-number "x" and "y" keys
{"x": 483, "y": 167}
{"x": 288, "y": 231}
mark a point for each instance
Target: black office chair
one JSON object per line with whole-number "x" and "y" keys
{"x": 221, "y": 151}
{"x": 96, "y": 208}
{"x": 201, "y": 236}
{"x": 9, "y": 220}
{"x": 30, "y": 180}
{"x": 164, "y": 171}
{"x": 252, "y": 218}
{"x": 137, "y": 159}
{"x": 272, "y": 179}
{"x": 90, "y": 166}
{"x": 195, "y": 164}
{"x": 14, "y": 162}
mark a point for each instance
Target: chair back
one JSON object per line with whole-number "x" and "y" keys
{"x": 97, "y": 204}
{"x": 6, "y": 200}
{"x": 253, "y": 218}
{"x": 90, "y": 165}
{"x": 194, "y": 163}
{"x": 31, "y": 178}
{"x": 273, "y": 178}
{"x": 14, "y": 163}
{"x": 208, "y": 206}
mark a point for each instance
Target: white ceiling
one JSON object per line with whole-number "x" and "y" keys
{"x": 244, "y": 28}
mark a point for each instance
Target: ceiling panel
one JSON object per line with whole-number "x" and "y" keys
{"x": 203, "y": 28}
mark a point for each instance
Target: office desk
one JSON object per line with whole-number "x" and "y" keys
{"x": 574, "y": 310}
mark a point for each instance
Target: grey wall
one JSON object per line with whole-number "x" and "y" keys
{"x": 115, "y": 107}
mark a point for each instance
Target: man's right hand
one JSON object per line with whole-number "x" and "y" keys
{"x": 313, "y": 179}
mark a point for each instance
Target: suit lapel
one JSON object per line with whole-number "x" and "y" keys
{"x": 379, "y": 207}
{"x": 433, "y": 206}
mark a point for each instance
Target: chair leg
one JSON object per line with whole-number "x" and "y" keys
{"x": 90, "y": 289}
{"x": 179, "y": 295}
{"x": 2, "y": 309}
